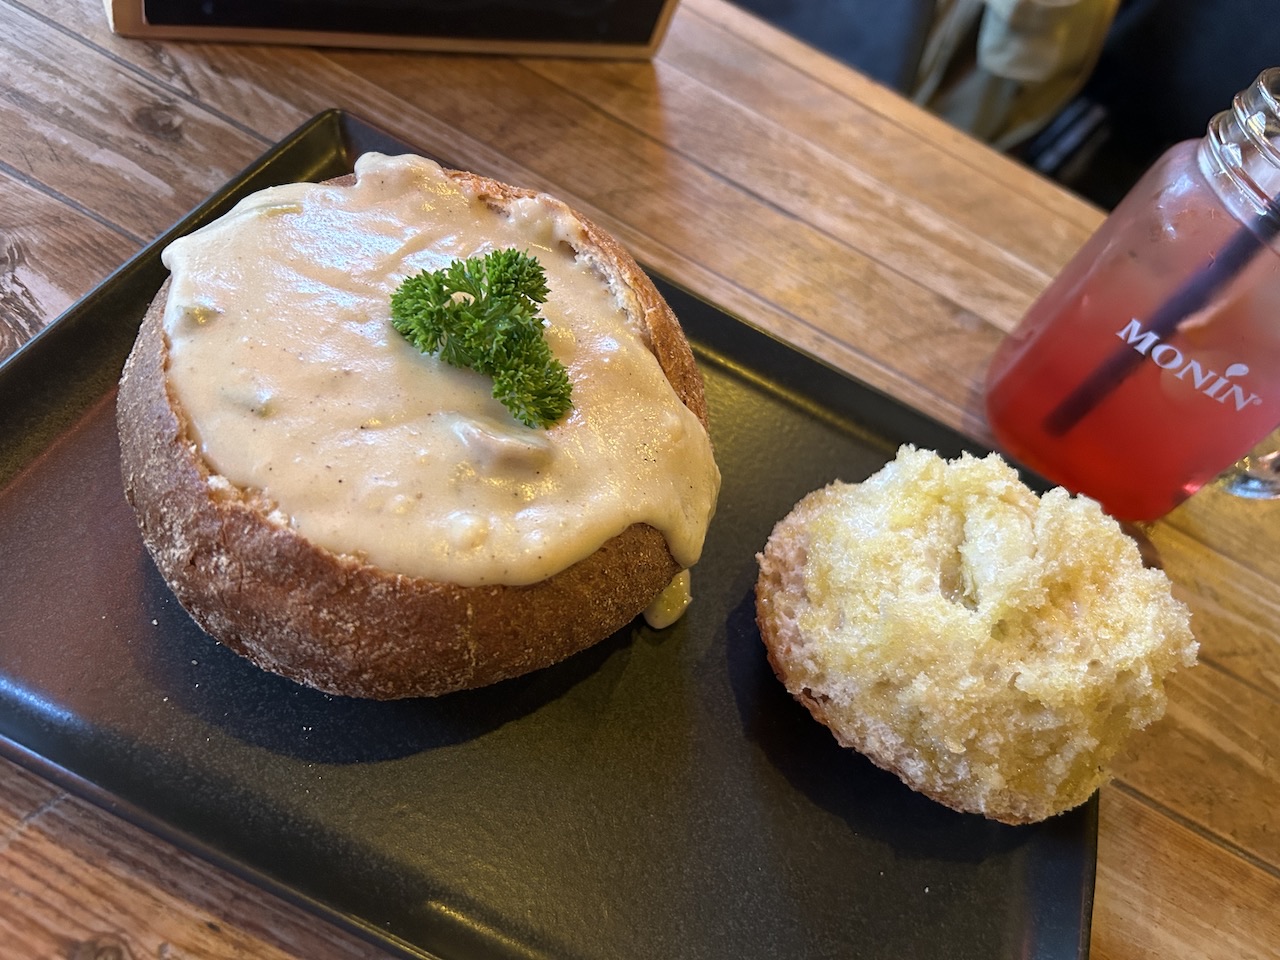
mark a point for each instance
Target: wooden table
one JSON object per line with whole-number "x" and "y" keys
{"x": 774, "y": 181}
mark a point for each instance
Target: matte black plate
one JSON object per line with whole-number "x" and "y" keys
{"x": 657, "y": 796}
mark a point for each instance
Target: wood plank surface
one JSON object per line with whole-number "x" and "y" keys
{"x": 1147, "y": 862}
{"x": 49, "y": 258}
{"x": 770, "y": 179}
{"x": 713, "y": 24}
{"x": 78, "y": 883}
{"x": 129, "y": 152}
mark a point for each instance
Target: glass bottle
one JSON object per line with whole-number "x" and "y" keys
{"x": 1152, "y": 361}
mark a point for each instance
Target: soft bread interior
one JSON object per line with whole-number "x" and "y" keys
{"x": 991, "y": 647}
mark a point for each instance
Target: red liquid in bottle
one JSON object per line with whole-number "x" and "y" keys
{"x": 1193, "y": 401}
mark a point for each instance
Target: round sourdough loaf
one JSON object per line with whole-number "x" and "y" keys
{"x": 991, "y": 647}
{"x": 333, "y": 620}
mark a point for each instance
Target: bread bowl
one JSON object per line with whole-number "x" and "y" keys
{"x": 348, "y": 596}
{"x": 992, "y": 648}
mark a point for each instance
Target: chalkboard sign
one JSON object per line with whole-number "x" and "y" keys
{"x": 612, "y": 28}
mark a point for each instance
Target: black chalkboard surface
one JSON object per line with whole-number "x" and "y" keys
{"x": 557, "y": 27}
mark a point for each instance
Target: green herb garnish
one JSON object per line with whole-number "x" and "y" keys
{"x": 482, "y": 314}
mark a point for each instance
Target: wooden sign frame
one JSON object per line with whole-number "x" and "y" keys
{"x": 621, "y": 29}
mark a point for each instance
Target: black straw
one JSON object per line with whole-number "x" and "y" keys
{"x": 1188, "y": 299}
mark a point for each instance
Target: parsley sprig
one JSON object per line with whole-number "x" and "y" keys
{"x": 482, "y": 314}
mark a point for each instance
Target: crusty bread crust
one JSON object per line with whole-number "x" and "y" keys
{"x": 347, "y": 627}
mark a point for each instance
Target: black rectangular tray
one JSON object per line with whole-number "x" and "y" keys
{"x": 659, "y": 795}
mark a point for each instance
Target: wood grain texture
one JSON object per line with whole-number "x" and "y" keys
{"x": 770, "y": 179}
{"x": 105, "y": 138}
{"x": 865, "y": 200}
{"x": 1148, "y": 866}
{"x": 714, "y": 23}
{"x": 78, "y": 883}
{"x": 1235, "y": 607}
{"x": 49, "y": 258}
